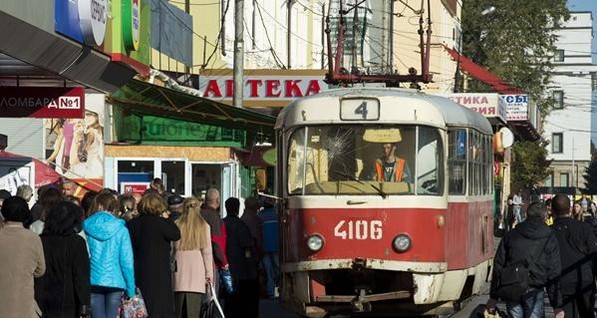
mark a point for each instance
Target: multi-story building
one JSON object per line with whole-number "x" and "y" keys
{"x": 445, "y": 30}
{"x": 568, "y": 126}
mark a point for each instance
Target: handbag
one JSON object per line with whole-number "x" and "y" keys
{"x": 133, "y": 307}
{"x": 211, "y": 307}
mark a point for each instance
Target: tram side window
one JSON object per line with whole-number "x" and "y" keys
{"x": 429, "y": 175}
{"x": 457, "y": 140}
{"x": 296, "y": 159}
{"x": 475, "y": 161}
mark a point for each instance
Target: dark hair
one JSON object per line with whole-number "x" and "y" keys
{"x": 48, "y": 200}
{"x": 560, "y": 205}
{"x": 15, "y": 209}
{"x": 63, "y": 219}
{"x": 124, "y": 199}
{"x": 104, "y": 201}
{"x": 232, "y": 206}
{"x": 4, "y": 194}
{"x": 548, "y": 202}
{"x": 87, "y": 200}
{"x": 537, "y": 209}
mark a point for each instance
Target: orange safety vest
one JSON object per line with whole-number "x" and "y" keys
{"x": 398, "y": 169}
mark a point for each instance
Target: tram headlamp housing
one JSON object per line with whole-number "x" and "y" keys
{"x": 401, "y": 243}
{"x": 315, "y": 242}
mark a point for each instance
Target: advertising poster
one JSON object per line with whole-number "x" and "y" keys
{"x": 14, "y": 174}
{"x": 75, "y": 147}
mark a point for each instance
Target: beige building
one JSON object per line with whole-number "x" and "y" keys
{"x": 445, "y": 28}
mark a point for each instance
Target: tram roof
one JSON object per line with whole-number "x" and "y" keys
{"x": 436, "y": 110}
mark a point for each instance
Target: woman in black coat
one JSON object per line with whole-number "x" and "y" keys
{"x": 64, "y": 290}
{"x": 151, "y": 235}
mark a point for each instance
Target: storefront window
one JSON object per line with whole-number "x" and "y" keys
{"x": 137, "y": 172}
{"x": 173, "y": 175}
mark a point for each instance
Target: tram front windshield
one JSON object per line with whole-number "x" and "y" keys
{"x": 365, "y": 160}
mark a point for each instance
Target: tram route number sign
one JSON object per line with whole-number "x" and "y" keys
{"x": 359, "y": 229}
{"x": 359, "y": 109}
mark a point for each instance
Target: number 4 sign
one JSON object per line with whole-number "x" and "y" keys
{"x": 359, "y": 109}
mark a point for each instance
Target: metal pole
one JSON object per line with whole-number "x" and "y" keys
{"x": 573, "y": 184}
{"x": 239, "y": 49}
{"x": 288, "y": 34}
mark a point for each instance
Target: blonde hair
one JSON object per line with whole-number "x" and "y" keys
{"x": 192, "y": 226}
{"x": 152, "y": 204}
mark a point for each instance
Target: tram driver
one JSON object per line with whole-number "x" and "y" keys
{"x": 391, "y": 168}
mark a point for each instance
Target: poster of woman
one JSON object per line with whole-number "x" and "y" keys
{"x": 76, "y": 146}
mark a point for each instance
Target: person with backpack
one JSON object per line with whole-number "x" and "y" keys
{"x": 526, "y": 263}
{"x": 578, "y": 246}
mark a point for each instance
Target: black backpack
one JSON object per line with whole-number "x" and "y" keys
{"x": 513, "y": 279}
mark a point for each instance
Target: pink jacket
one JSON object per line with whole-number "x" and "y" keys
{"x": 193, "y": 267}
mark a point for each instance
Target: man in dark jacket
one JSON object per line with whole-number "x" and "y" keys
{"x": 531, "y": 237}
{"x": 244, "y": 303}
{"x": 578, "y": 246}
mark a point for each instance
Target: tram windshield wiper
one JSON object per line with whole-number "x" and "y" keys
{"x": 352, "y": 178}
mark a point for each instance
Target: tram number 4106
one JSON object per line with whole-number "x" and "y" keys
{"x": 359, "y": 230}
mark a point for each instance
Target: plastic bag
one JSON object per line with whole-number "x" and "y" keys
{"x": 226, "y": 280}
{"x": 211, "y": 307}
{"x": 133, "y": 307}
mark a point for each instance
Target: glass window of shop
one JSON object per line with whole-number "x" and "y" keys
{"x": 135, "y": 172}
{"x": 173, "y": 176}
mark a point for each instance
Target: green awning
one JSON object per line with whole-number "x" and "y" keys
{"x": 144, "y": 98}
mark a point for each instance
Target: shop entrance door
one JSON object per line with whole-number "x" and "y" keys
{"x": 221, "y": 176}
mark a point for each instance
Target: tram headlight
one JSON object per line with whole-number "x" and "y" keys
{"x": 315, "y": 242}
{"x": 401, "y": 243}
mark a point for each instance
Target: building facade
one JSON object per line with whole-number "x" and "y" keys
{"x": 568, "y": 126}
{"x": 445, "y": 30}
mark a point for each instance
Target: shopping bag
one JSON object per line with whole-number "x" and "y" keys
{"x": 211, "y": 307}
{"x": 133, "y": 307}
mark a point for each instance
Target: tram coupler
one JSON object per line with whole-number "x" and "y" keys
{"x": 360, "y": 304}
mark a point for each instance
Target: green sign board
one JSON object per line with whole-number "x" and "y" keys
{"x": 152, "y": 130}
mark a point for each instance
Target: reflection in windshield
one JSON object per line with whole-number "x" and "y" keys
{"x": 365, "y": 160}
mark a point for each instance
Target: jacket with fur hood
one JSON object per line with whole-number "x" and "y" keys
{"x": 110, "y": 252}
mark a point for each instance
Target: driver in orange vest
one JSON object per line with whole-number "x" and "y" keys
{"x": 391, "y": 168}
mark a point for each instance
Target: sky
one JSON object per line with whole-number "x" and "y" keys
{"x": 587, "y": 5}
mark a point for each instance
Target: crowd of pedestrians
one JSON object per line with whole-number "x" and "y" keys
{"x": 67, "y": 257}
{"x": 553, "y": 250}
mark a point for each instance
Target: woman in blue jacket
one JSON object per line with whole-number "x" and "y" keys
{"x": 111, "y": 255}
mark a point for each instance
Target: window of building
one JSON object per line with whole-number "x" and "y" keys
{"x": 549, "y": 181}
{"x": 564, "y": 179}
{"x": 594, "y": 82}
{"x": 557, "y": 143}
{"x": 558, "y": 97}
{"x": 558, "y": 56}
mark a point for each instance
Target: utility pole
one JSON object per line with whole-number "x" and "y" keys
{"x": 355, "y": 19}
{"x": 239, "y": 49}
{"x": 288, "y": 34}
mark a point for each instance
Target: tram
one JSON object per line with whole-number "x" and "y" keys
{"x": 387, "y": 202}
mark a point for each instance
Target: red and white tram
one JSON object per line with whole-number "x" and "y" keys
{"x": 418, "y": 243}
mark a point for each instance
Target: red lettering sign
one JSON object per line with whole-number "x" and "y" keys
{"x": 212, "y": 88}
{"x": 229, "y": 88}
{"x": 313, "y": 88}
{"x": 272, "y": 88}
{"x": 254, "y": 87}
{"x": 42, "y": 102}
{"x": 292, "y": 88}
